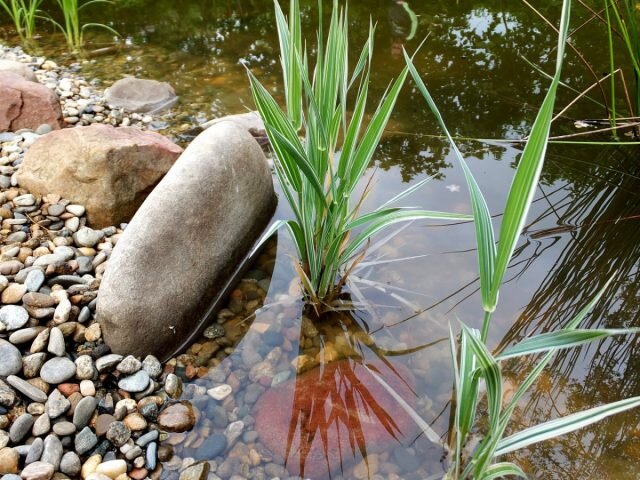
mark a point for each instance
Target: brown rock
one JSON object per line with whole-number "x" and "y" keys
{"x": 9, "y": 459}
{"x": 108, "y": 170}
{"x": 318, "y": 413}
{"x": 68, "y": 388}
{"x": 25, "y": 104}
{"x": 177, "y": 418}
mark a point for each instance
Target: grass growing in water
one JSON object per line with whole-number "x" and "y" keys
{"x": 23, "y": 14}
{"x": 473, "y": 362}
{"x": 320, "y": 173}
{"x": 72, "y": 28}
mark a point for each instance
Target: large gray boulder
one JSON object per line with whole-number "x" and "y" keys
{"x": 20, "y": 68}
{"x": 181, "y": 249}
{"x": 141, "y": 95}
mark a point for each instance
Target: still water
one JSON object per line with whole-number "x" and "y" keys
{"x": 583, "y": 228}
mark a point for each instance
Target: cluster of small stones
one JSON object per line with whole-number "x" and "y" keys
{"x": 222, "y": 382}
{"x": 69, "y": 408}
{"x": 82, "y": 102}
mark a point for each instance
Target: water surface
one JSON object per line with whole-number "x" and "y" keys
{"x": 582, "y": 230}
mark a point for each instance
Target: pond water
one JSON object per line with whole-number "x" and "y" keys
{"x": 583, "y": 228}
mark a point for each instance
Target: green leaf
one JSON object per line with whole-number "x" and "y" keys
{"x": 482, "y": 218}
{"x": 504, "y": 469}
{"x": 561, "y": 426}
{"x": 552, "y": 341}
{"x": 528, "y": 171}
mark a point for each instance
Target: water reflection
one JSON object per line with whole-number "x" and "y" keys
{"x": 582, "y": 230}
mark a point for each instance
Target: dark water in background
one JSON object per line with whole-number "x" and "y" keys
{"x": 473, "y": 62}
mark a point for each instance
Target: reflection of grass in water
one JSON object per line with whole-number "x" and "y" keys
{"x": 342, "y": 401}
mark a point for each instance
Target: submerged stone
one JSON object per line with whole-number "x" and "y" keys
{"x": 311, "y": 420}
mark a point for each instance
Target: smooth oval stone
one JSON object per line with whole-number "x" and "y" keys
{"x": 27, "y": 389}
{"x": 135, "y": 383}
{"x": 232, "y": 172}
{"x": 13, "y": 316}
{"x": 84, "y": 411}
{"x": 10, "y": 359}
{"x": 57, "y": 370}
{"x": 213, "y": 446}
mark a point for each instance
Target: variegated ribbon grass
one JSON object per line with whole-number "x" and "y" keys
{"x": 322, "y": 152}
{"x": 472, "y": 360}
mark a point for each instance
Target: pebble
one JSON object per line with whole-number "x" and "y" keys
{"x": 12, "y": 294}
{"x": 135, "y": 383}
{"x": 70, "y": 464}
{"x": 220, "y": 392}
{"x": 10, "y": 359}
{"x": 87, "y": 237}
{"x": 129, "y": 365}
{"x": 57, "y": 404}
{"x": 147, "y": 438}
{"x": 173, "y": 386}
{"x": 118, "y": 434}
{"x": 151, "y": 458}
{"x": 37, "y": 471}
{"x": 64, "y": 429}
{"x": 77, "y": 210}
{"x": 213, "y": 446}
{"x": 178, "y": 417}
{"x": 233, "y": 431}
{"x": 58, "y": 370}
{"x": 87, "y": 388}
{"x": 53, "y": 451}
{"x": 21, "y": 427}
{"x": 35, "y": 451}
{"x": 85, "y": 440}
{"x": 62, "y": 312}
{"x": 34, "y": 280}
{"x": 84, "y": 411}
{"x": 41, "y": 426}
{"x": 56, "y": 342}
{"x": 113, "y": 468}
{"x": 152, "y": 366}
{"x": 9, "y": 460}
{"x": 27, "y": 389}
{"x": 108, "y": 362}
{"x": 13, "y": 316}
{"x": 199, "y": 471}
{"x": 84, "y": 368}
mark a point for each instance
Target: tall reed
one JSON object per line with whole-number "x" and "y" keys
{"x": 473, "y": 362}
{"x": 72, "y": 28}
{"x": 23, "y": 14}
{"x": 625, "y": 14}
{"x": 320, "y": 172}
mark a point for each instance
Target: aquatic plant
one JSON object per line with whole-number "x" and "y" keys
{"x": 623, "y": 15}
{"x": 23, "y": 14}
{"x": 320, "y": 173}
{"x": 72, "y": 28}
{"x": 473, "y": 362}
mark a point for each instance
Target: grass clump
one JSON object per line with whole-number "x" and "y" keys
{"x": 72, "y": 28}
{"x": 320, "y": 173}
{"x": 23, "y": 14}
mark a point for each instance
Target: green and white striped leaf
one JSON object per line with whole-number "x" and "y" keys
{"x": 564, "y": 425}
